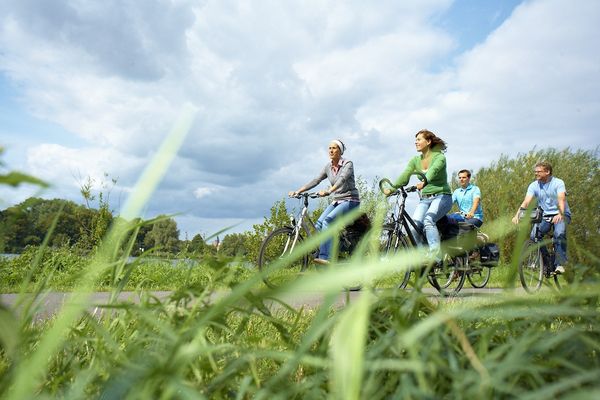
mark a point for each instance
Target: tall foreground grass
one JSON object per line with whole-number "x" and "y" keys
{"x": 246, "y": 343}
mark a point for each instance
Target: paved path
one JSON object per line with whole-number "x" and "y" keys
{"x": 52, "y": 302}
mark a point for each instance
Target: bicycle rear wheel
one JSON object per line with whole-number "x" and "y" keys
{"x": 448, "y": 277}
{"x": 531, "y": 267}
{"x": 478, "y": 275}
{"x": 392, "y": 244}
{"x": 277, "y": 246}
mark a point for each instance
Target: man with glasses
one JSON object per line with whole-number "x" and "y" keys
{"x": 551, "y": 196}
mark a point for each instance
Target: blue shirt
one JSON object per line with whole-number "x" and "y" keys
{"x": 464, "y": 198}
{"x": 547, "y": 195}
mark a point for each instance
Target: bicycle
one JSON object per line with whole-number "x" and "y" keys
{"x": 282, "y": 242}
{"x": 537, "y": 260}
{"x": 483, "y": 256}
{"x": 447, "y": 276}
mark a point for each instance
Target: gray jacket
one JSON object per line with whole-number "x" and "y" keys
{"x": 343, "y": 181}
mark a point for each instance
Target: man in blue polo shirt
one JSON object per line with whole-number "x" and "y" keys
{"x": 468, "y": 199}
{"x": 551, "y": 195}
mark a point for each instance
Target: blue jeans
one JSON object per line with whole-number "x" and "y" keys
{"x": 560, "y": 238}
{"x": 457, "y": 217}
{"x": 332, "y": 212}
{"x": 428, "y": 212}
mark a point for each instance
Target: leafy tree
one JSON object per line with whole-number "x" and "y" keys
{"x": 164, "y": 235}
{"x": 233, "y": 245}
{"x": 28, "y": 222}
{"x": 504, "y": 183}
{"x": 197, "y": 244}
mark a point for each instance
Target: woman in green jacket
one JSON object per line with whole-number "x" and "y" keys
{"x": 436, "y": 197}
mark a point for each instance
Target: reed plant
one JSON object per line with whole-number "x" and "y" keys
{"x": 203, "y": 342}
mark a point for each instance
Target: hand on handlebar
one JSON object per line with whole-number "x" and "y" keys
{"x": 323, "y": 193}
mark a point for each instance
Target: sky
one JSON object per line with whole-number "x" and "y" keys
{"x": 90, "y": 90}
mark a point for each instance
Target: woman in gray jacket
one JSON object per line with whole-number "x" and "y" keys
{"x": 344, "y": 195}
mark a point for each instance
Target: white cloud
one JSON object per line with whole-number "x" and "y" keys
{"x": 274, "y": 81}
{"x": 204, "y": 192}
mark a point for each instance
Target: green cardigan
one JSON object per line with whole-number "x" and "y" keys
{"x": 437, "y": 177}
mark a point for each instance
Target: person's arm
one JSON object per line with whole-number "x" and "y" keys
{"x": 476, "y": 194}
{"x": 471, "y": 212}
{"x": 310, "y": 184}
{"x": 561, "y": 198}
{"x": 523, "y": 206}
{"x": 346, "y": 171}
{"x": 405, "y": 175}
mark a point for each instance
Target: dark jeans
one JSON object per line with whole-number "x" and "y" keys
{"x": 559, "y": 235}
{"x": 457, "y": 217}
{"x": 331, "y": 212}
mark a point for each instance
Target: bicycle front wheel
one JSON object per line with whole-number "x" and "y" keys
{"x": 392, "y": 244}
{"x": 531, "y": 267}
{"x": 279, "y": 246}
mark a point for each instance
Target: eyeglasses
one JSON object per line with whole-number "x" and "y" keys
{"x": 541, "y": 171}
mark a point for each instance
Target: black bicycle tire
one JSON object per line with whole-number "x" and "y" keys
{"x": 394, "y": 245}
{"x": 557, "y": 282}
{"x": 457, "y": 272}
{"x": 262, "y": 264}
{"x": 531, "y": 257}
{"x": 488, "y": 274}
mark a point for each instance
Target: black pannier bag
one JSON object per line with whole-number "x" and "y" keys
{"x": 351, "y": 235}
{"x": 489, "y": 254}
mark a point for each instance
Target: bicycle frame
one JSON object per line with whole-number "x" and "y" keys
{"x": 304, "y": 222}
{"x": 403, "y": 220}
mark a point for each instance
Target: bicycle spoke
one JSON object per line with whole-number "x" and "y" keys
{"x": 531, "y": 271}
{"x": 448, "y": 277}
{"x": 393, "y": 243}
{"x": 278, "y": 246}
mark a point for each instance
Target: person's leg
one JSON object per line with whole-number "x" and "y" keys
{"x": 418, "y": 216}
{"x": 545, "y": 227}
{"x": 438, "y": 208}
{"x": 339, "y": 209}
{"x": 324, "y": 214}
{"x": 474, "y": 221}
{"x": 455, "y": 218}
{"x": 560, "y": 242}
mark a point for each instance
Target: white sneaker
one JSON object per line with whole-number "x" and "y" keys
{"x": 559, "y": 270}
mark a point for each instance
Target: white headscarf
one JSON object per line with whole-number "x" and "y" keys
{"x": 340, "y": 145}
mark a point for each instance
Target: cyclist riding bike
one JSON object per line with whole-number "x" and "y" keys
{"x": 436, "y": 199}
{"x": 343, "y": 192}
{"x": 551, "y": 196}
{"x": 468, "y": 199}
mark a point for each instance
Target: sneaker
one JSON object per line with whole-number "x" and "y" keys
{"x": 559, "y": 270}
{"x": 321, "y": 261}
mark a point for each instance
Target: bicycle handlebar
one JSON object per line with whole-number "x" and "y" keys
{"x": 398, "y": 190}
{"x": 312, "y": 195}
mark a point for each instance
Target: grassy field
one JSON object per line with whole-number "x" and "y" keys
{"x": 378, "y": 346}
{"x": 189, "y": 345}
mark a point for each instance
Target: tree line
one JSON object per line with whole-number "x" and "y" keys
{"x": 503, "y": 185}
